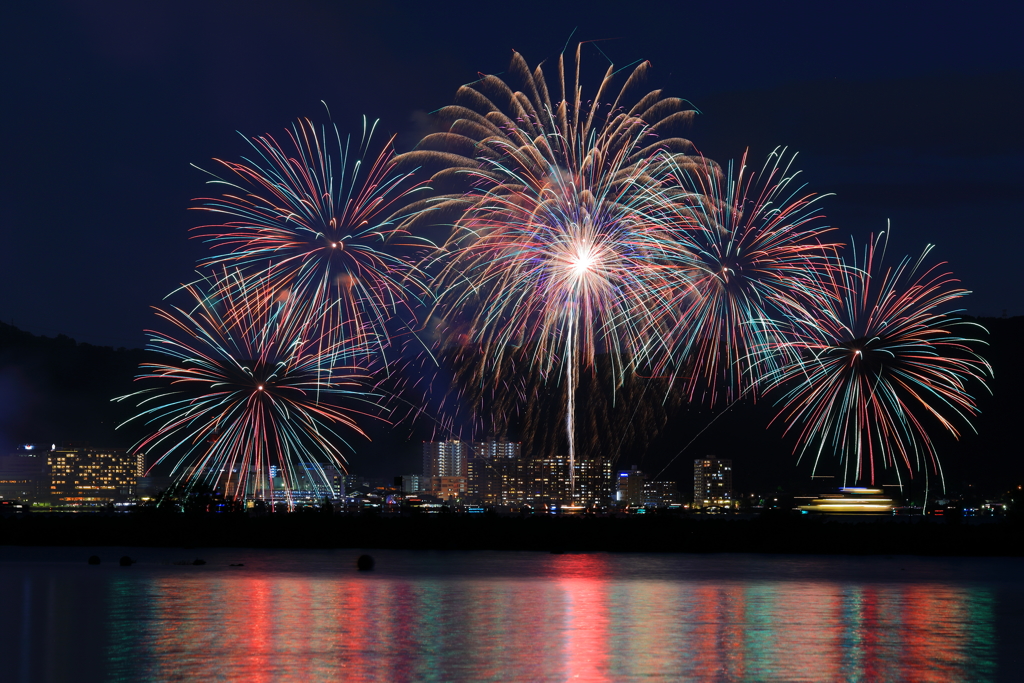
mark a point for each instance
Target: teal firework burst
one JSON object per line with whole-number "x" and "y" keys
{"x": 312, "y": 218}
{"x": 884, "y": 364}
{"x": 244, "y": 387}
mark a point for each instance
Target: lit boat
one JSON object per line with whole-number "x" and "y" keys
{"x": 852, "y": 500}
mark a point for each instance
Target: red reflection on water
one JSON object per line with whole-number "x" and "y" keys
{"x": 873, "y": 664}
{"x": 259, "y": 607}
{"x": 355, "y": 628}
{"x": 933, "y": 626}
{"x": 582, "y": 622}
{"x": 716, "y": 646}
{"x": 401, "y": 625}
{"x": 805, "y": 637}
{"x": 586, "y": 617}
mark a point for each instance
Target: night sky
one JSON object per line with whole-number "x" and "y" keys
{"x": 908, "y": 114}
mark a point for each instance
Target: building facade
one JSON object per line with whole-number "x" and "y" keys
{"x": 661, "y": 494}
{"x": 494, "y": 473}
{"x": 410, "y": 483}
{"x": 634, "y": 489}
{"x": 22, "y": 475}
{"x": 496, "y": 481}
{"x": 497, "y": 449}
{"x": 543, "y": 481}
{"x": 314, "y": 481}
{"x": 140, "y": 464}
{"x": 629, "y": 489}
{"x": 444, "y": 459}
{"x": 712, "y": 483}
{"x": 89, "y": 477}
{"x": 447, "y": 488}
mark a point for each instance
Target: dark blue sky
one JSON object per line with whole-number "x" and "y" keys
{"x": 911, "y": 113}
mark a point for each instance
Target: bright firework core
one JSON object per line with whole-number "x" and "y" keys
{"x": 582, "y": 261}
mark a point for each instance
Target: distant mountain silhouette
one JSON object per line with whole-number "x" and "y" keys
{"x": 54, "y": 389}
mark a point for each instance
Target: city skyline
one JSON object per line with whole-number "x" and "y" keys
{"x": 459, "y": 477}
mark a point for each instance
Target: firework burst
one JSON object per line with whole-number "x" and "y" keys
{"x": 517, "y": 139}
{"x": 552, "y": 249}
{"x": 247, "y": 387}
{"x": 882, "y": 363}
{"x": 313, "y": 219}
{"x": 757, "y": 261}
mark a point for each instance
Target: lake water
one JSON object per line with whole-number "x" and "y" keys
{"x": 308, "y": 615}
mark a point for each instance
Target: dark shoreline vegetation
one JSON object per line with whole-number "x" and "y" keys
{"x": 778, "y": 533}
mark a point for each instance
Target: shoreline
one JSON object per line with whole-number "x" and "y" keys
{"x": 775, "y": 534}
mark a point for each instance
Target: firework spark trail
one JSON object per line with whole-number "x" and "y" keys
{"x": 244, "y": 387}
{"x": 758, "y": 258}
{"x": 881, "y": 362}
{"x": 548, "y": 250}
{"x": 323, "y": 227}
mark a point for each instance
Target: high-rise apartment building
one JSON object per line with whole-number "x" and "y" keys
{"x": 494, "y": 472}
{"x": 712, "y": 482}
{"x": 546, "y": 480}
{"x": 445, "y": 468}
{"x": 497, "y": 449}
{"x": 496, "y": 481}
{"x": 444, "y": 459}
